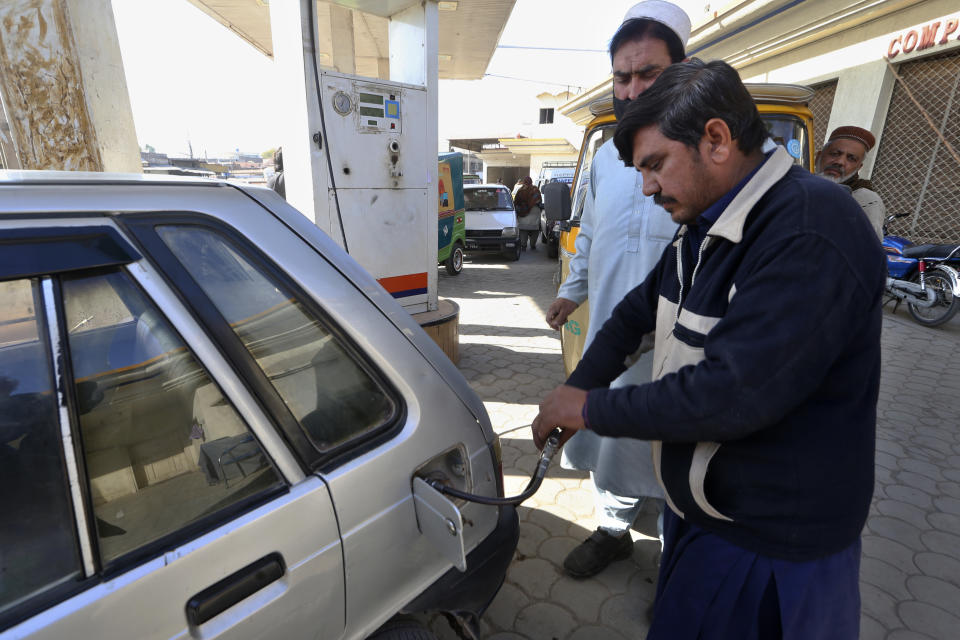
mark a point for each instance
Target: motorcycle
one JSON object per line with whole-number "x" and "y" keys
{"x": 922, "y": 276}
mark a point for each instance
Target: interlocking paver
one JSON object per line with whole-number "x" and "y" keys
{"x": 535, "y": 576}
{"x": 926, "y": 469}
{"x": 906, "y": 512}
{"x": 939, "y": 565}
{"x": 531, "y": 535}
{"x": 870, "y": 629}
{"x": 556, "y": 548}
{"x": 544, "y": 620}
{"x": 885, "y": 577}
{"x": 595, "y": 633}
{"x": 928, "y": 619}
{"x": 910, "y": 571}
{"x": 899, "y": 530}
{"x": 948, "y": 504}
{"x": 879, "y": 605}
{"x": 890, "y": 551}
{"x": 935, "y": 591}
{"x": 621, "y": 612}
{"x": 942, "y": 542}
{"x": 503, "y": 612}
{"x": 944, "y": 521}
{"x": 904, "y": 634}
{"x": 910, "y": 495}
{"x": 584, "y": 597}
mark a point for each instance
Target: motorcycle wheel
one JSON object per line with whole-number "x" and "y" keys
{"x": 943, "y": 309}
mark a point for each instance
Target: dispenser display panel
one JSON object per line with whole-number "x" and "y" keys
{"x": 378, "y": 110}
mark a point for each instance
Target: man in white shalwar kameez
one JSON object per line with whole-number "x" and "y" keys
{"x": 622, "y": 235}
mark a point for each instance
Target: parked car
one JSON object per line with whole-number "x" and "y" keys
{"x": 215, "y": 423}
{"x": 491, "y": 220}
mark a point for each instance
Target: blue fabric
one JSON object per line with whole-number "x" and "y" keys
{"x": 711, "y": 589}
{"x": 773, "y": 363}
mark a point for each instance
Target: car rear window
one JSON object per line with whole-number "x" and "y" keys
{"x": 163, "y": 447}
{"x": 327, "y": 390}
{"x": 487, "y": 199}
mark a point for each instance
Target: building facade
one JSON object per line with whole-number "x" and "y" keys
{"x": 890, "y": 66}
{"x": 545, "y": 138}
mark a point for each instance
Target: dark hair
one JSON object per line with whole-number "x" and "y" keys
{"x": 640, "y": 28}
{"x": 681, "y": 101}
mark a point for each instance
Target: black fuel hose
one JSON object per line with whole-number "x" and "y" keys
{"x": 549, "y": 450}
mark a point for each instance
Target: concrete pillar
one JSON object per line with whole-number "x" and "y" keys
{"x": 63, "y": 86}
{"x": 8, "y": 152}
{"x": 383, "y": 68}
{"x": 304, "y": 166}
{"x": 412, "y": 31}
{"x": 341, "y": 37}
{"x": 862, "y": 100}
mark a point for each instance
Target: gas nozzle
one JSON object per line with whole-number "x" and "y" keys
{"x": 550, "y": 449}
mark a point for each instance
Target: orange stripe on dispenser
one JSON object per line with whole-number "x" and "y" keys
{"x": 408, "y": 285}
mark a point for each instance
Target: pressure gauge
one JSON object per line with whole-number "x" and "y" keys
{"x": 342, "y": 103}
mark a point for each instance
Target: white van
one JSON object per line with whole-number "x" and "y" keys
{"x": 556, "y": 172}
{"x": 491, "y": 219}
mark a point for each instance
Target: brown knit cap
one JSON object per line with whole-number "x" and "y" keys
{"x": 854, "y": 133}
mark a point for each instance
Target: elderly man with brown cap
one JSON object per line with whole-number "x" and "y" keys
{"x": 622, "y": 235}
{"x": 840, "y": 161}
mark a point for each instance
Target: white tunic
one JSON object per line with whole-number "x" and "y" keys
{"x": 622, "y": 235}
{"x": 872, "y": 205}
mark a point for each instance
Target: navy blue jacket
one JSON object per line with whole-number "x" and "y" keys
{"x": 766, "y": 369}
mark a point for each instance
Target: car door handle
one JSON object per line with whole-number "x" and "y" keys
{"x": 218, "y": 598}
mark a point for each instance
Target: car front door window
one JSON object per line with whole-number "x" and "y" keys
{"x": 38, "y": 539}
{"x": 164, "y": 449}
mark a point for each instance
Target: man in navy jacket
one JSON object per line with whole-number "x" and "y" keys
{"x": 762, "y": 411}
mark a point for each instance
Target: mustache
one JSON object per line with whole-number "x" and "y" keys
{"x": 660, "y": 200}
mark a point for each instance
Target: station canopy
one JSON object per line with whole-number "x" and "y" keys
{"x": 469, "y": 30}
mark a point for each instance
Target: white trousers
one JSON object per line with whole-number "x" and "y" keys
{"x": 615, "y": 514}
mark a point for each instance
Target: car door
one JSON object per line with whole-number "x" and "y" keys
{"x": 148, "y": 492}
{"x": 376, "y": 413}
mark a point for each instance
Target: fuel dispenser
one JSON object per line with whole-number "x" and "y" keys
{"x": 375, "y": 134}
{"x": 360, "y": 152}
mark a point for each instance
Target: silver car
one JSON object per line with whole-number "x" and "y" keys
{"x": 215, "y": 424}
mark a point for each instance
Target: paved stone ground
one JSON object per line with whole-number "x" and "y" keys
{"x": 910, "y": 574}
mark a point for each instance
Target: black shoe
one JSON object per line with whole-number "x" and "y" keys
{"x": 596, "y": 552}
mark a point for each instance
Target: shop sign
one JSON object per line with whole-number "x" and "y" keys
{"x": 930, "y": 35}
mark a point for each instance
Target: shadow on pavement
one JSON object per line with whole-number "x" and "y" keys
{"x": 496, "y": 330}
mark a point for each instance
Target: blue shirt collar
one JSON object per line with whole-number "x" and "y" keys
{"x": 706, "y": 219}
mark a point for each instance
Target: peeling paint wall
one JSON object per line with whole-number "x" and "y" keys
{"x": 42, "y": 86}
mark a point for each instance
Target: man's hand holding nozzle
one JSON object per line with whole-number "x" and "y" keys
{"x": 561, "y": 409}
